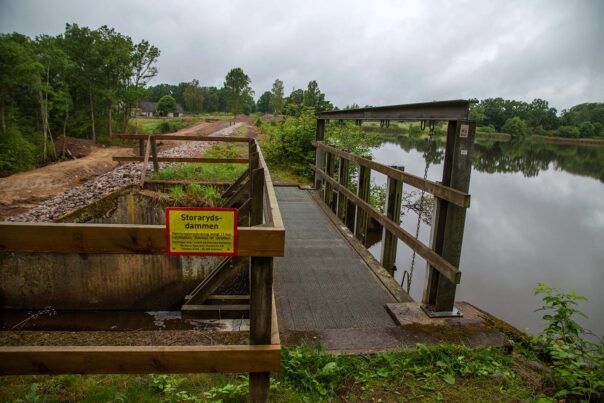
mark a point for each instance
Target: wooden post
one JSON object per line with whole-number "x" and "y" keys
{"x": 449, "y": 220}
{"x": 320, "y": 136}
{"x": 154, "y": 154}
{"x": 329, "y": 168}
{"x": 141, "y": 147}
{"x": 394, "y": 199}
{"x": 257, "y": 196}
{"x": 361, "y": 219}
{"x": 261, "y": 299}
{"x": 343, "y": 178}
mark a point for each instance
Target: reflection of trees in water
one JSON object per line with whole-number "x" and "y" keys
{"x": 525, "y": 156}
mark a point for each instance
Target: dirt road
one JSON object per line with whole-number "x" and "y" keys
{"x": 23, "y": 191}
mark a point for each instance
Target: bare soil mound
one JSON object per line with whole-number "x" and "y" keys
{"x": 74, "y": 147}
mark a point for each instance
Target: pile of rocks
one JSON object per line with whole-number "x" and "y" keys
{"x": 102, "y": 185}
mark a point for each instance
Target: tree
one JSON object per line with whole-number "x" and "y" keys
{"x": 277, "y": 101}
{"x": 516, "y": 127}
{"x": 166, "y": 105}
{"x": 263, "y": 104}
{"x": 193, "y": 97}
{"x": 237, "y": 87}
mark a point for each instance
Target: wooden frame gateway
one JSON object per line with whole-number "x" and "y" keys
{"x": 263, "y": 240}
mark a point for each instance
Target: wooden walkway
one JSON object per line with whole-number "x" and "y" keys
{"x": 322, "y": 283}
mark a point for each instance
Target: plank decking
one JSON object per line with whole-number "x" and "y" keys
{"x": 322, "y": 283}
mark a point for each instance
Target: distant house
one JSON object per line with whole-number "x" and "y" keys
{"x": 149, "y": 109}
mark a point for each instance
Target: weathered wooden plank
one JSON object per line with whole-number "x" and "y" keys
{"x": 261, "y": 311}
{"x": 25, "y": 360}
{"x": 134, "y": 158}
{"x": 209, "y": 284}
{"x": 439, "y": 110}
{"x": 145, "y": 162}
{"x": 320, "y": 136}
{"x": 343, "y": 179}
{"x": 121, "y": 238}
{"x": 444, "y": 267}
{"x": 182, "y": 137}
{"x": 441, "y": 191}
{"x": 363, "y": 189}
{"x": 257, "y": 197}
{"x": 273, "y": 206}
{"x": 154, "y": 154}
{"x": 394, "y": 198}
{"x": 448, "y": 227}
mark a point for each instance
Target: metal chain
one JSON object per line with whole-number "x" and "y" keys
{"x": 409, "y": 274}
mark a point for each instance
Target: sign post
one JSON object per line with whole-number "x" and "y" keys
{"x": 194, "y": 231}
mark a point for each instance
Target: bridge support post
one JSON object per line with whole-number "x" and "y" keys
{"x": 394, "y": 199}
{"x": 261, "y": 300}
{"x": 343, "y": 178}
{"x": 361, "y": 219}
{"x": 449, "y": 220}
{"x": 320, "y": 136}
{"x": 329, "y": 168}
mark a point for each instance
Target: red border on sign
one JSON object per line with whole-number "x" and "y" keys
{"x": 170, "y": 253}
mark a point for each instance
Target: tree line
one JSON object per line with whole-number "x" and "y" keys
{"x": 236, "y": 96}
{"x": 521, "y": 119}
{"x": 82, "y": 82}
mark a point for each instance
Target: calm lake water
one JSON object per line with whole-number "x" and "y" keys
{"x": 537, "y": 215}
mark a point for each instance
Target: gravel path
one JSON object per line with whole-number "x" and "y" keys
{"x": 120, "y": 176}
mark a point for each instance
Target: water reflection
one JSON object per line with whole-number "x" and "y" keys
{"x": 537, "y": 215}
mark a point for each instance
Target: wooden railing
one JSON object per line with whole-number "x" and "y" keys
{"x": 261, "y": 241}
{"x": 452, "y": 198}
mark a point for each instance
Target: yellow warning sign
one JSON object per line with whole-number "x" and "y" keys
{"x": 201, "y": 231}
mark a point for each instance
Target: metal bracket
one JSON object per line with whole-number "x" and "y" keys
{"x": 455, "y": 313}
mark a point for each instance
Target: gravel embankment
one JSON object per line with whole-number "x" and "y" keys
{"x": 120, "y": 176}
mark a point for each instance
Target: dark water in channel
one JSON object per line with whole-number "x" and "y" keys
{"x": 537, "y": 215}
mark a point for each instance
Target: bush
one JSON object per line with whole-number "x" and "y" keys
{"x": 16, "y": 152}
{"x": 568, "y": 131}
{"x": 516, "y": 127}
{"x": 587, "y": 129}
{"x": 291, "y": 142}
{"x": 486, "y": 129}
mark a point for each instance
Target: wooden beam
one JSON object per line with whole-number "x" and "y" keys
{"x": 441, "y": 191}
{"x": 182, "y": 137}
{"x": 447, "y": 269}
{"x": 209, "y": 284}
{"x": 360, "y": 216}
{"x": 51, "y": 360}
{"x": 440, "y": 110}
{"x": 257, "y": 197}
{"x": 319, "y": 136}
{"x": 449, "y": 220}
{"x": 154, "y": 154}
{"x": 134, "y": 158}
{"x": 121, "y": 238}
{"x": 261, "y": 301}
{"x": 228, "y": 311}
{"x": 343, "y": 179}
{"x": 394, "y": 198}
{"x": 273, "y": 211}
{"x": 145, "y": 162}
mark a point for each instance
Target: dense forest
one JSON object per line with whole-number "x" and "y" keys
{"x": 523, "y": 119}
{"x": 88, "y": 83}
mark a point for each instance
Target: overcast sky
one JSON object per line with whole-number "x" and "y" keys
{"x": 373, "y": 52}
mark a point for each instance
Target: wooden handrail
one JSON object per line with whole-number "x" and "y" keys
{"x": 438, "y": 262}
{"x": 443, "y": 192}
{"x": 121, "y": 238}
{"x": 273, "y": 207}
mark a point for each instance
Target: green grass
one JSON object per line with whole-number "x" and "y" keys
{"x": 195, "y": 194}
{"x": 448, "y": 373}
{"x": 206, "y": 172}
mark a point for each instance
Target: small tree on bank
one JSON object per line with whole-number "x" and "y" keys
{"x": 166, "y": 105}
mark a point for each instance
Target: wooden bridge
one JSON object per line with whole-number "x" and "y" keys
{"x": 326, "y": 285}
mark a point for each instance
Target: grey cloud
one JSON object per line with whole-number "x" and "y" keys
{"x": 378, "y": 52}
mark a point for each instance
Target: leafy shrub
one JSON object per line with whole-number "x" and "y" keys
{"x": 486, "y": 129}
{"x": 578, "y": 364}
{"x": 16, "y": 152}
{"x": 568, "y": 131}
{"x": 516, "y": 127}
